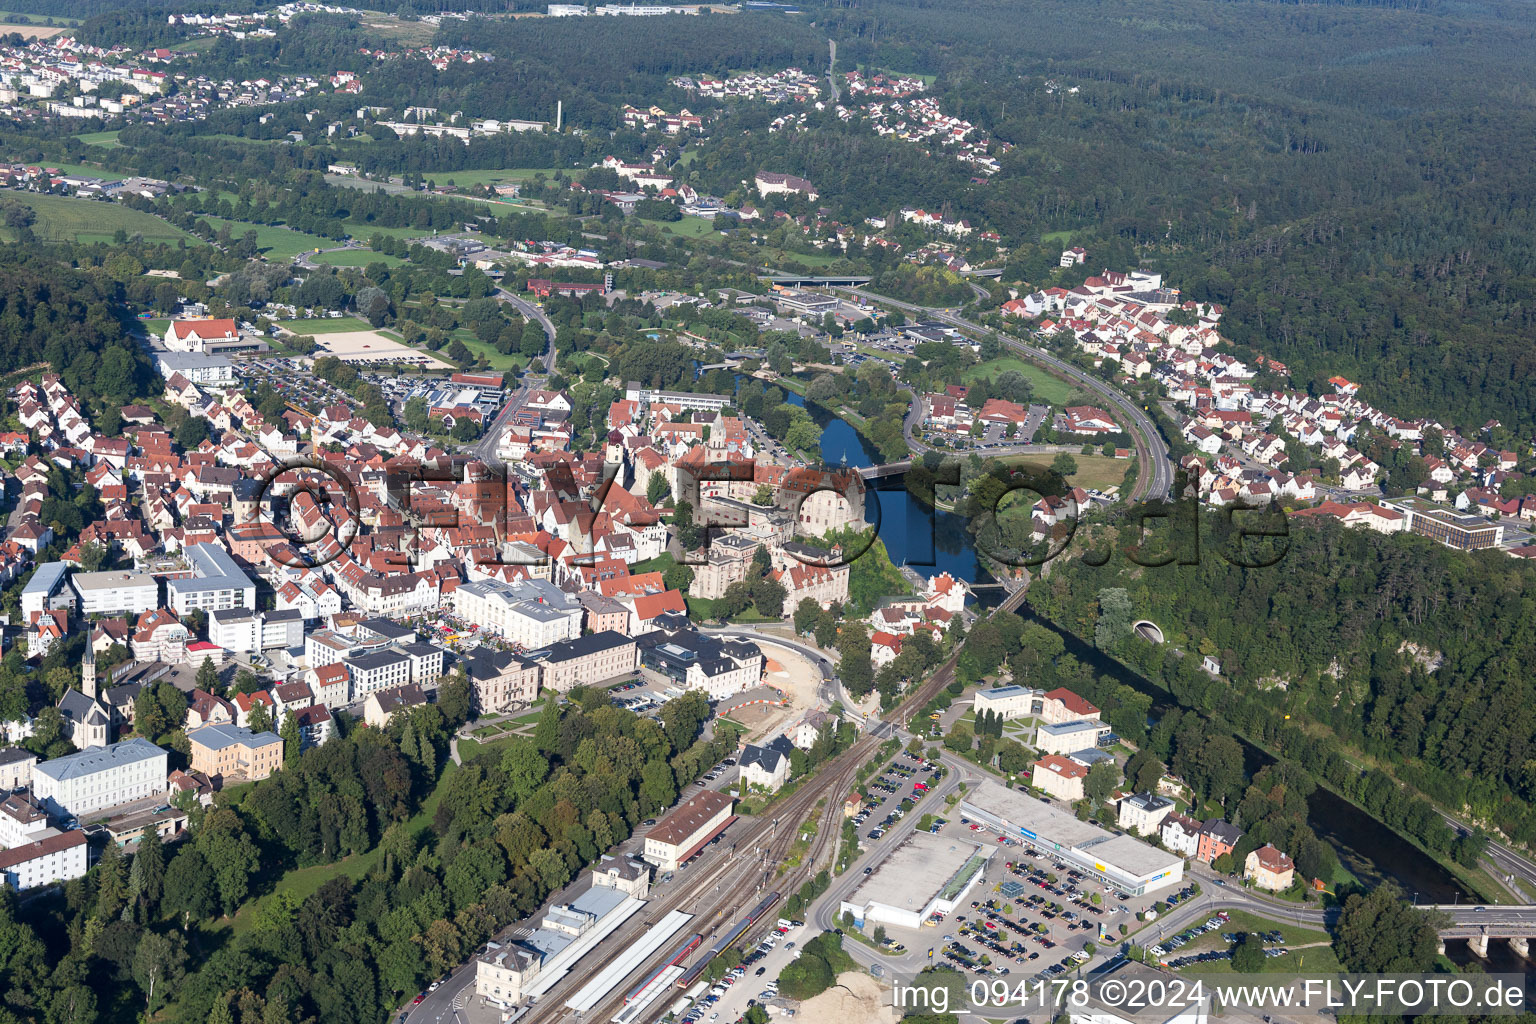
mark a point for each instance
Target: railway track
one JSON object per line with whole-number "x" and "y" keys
{"x": 726, "y": 889}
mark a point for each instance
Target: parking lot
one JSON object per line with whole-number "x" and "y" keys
{"x": 905, "y": 778}
{"x": 1161, "y": 951}
{"x": 1031, "y": 916}
{"x": 754, "y": 980}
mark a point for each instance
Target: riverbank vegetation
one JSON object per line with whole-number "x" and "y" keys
{"x": 1392, "y": 646}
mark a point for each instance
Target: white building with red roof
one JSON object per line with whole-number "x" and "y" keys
{"x": 194, "y": 335}
{"x": 1061, "y": 705}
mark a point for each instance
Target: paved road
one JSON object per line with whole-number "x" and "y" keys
{"x": 485, "y": 449}
{"x": 536, "y": 313}
{"x": 1156, "y": 476}
{"x": 824, "y": 912}
{"x": 304, "y": 262}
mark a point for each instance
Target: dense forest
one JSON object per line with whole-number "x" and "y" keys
{"x": 1346, "y": 179}
{"x": 71, "y": 318}
{"x": 1405, "y": 650}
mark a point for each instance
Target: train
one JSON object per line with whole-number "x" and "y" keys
{"x": 675, "y": 960}
{"x": 755, "y": 915}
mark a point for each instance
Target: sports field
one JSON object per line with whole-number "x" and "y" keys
{"x": 324, "y": 325}
{"x": 107, "y": 139}
{"x": 463, "y": 179}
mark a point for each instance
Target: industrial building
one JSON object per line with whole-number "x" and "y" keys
{"x": 926, "y": 875}
{"x": 1128, "y": 864}
{"x": 684, "y": 832}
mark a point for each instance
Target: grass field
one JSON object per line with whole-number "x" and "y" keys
{"x": 225, "y": 137}
{"x": 819, "y": 259}
{"x": 1095, "y": 472}
{"x": 1048, "y": 388}
{"x": 496, "y": 360}
{"x": 469, "y": 748}
{"x": 356, "y": 258}
{"x": 90, "y": 220}
{"x": 107, "y": 139}
{"x": 661, "y": 563}
{"x": 30, "y": 31}
{"x": 411, "y": 33}
{"x": 325, "y": 325}
{"x": 276, "y": 242}
{"x": 462, "y": 179}
{"x": 365, "y": 231}
{"x": 689, "y": 227}
{"x": 13, "y": 18}
{"x": 89, "y": 171}
{"x": 1057, "y": 236}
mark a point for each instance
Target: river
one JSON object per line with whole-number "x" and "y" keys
{"x": 930, "y": 540}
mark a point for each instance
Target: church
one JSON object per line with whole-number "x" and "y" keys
{"x": 90, "y": 724}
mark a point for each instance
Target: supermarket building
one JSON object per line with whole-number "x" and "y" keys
{"x": 1126, "y": 863}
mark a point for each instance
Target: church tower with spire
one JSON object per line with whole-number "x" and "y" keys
{"x": 90, "y": 723}
{"x": 88, "y": 670}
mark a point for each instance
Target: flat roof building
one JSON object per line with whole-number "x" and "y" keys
{"x": 1453, "y": 529}
{"x": 116, "y": 592}
{"x": 1106, "y": 1002}
{"x": 1124, "y": 862}
{"x": 1069, "y": 737}
{"x": 46, "y": 590}
{"x": 216, "y": 582}
{"x": 527, "y": 967}
{"x": 925, "y": 875}
{"x": 196, "y": 367}
{"x": 1008, "y": 701}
